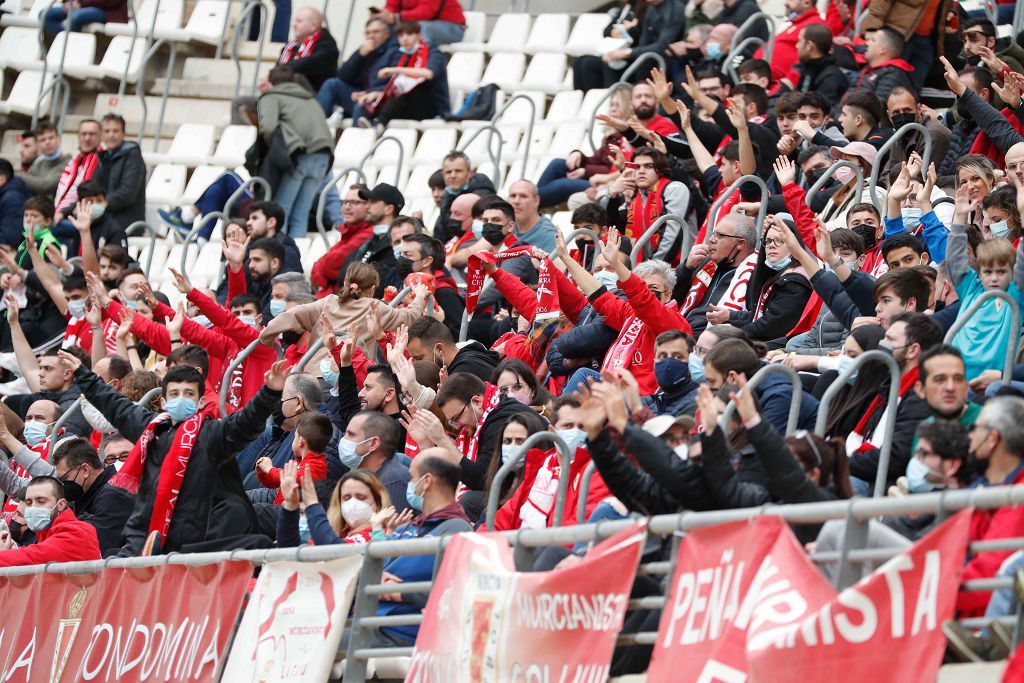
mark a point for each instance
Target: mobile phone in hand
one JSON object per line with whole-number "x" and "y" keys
{"x": 630, "y": 165}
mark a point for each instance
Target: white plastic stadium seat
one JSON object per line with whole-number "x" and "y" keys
{"x": 505, "y": 69}
{"x": 117, "y": 56}
{"x": 545, "y": 73}
{"x": 30, "y": 19}
{"x": 234, "y": 142}
{"x": 565, "y": 106}
{"x": 353, "y": 144}
{"x": 567, "y": 138}
{"x": 590, "y": 101}
{"x": 204, "y": 24}
{"x": 166, "y": 184}
{"x": 539, "y": 143}
{"x": 168, "y": 18}
{"x": 509, "y": 33}
{"x": 433, "y": 145}
{"x": 464, "y": 70}
{"x": 416, "y": 186}
{"x": 387, "y": 175}
{"x": 19, "y": 48}
{"x": 81, "y": 49}
{"x": 198, "y": 182}
{"x": 519, "y": 112}
{"x": 192, "y": 144}
{"x": 549, "y": 32}
{"x": 387, "y": 153}
{"x": 473, "y": 39}
{"x": 25, "y": 92}
{"x": 586, "y": 34}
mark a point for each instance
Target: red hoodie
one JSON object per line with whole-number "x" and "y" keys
{"x": 316, "y": 463}
{"x": 67, "y": 539}
{"x": 324, "y": 274}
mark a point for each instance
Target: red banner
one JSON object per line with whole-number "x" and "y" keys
{"x": 475, "y": 274}
{"x": 486, "y": 622}
{"x": 155, "y": 624}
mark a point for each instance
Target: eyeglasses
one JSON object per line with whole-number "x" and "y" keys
{"x": 353, "y": 202}
{"x": 456, "y": 422}
{"x": 774, "y": 242}
{"x": 505, "y": 391}
{"x": 719, "y": 235}
{"x": 655, "y": 291}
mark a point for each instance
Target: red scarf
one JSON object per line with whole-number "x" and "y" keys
{"x": 622, "y": 354}
{"x": 643, "y": 212}
{"x": 400, "y": 84}
{"x": 907, "y": 382}
{"x": 699, "y": 284}
{"x": 172, "y": 471}
{"x": 475, "y": 274}
{"x": 467, "y": 444}
{"x": 296, "y": 50}
{"x": 81, "y": 167}
{"x": 545, "y": 321}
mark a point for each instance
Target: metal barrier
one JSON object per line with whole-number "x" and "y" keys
{"x": 224, "y": 29}
{"x": 149, "y": 396}
{"x": 153, "y": 237}
{"x": 644, "y": 240}
{"x": 594, "y": 237}
{"x": 728, "y": 63}
{"x": 467, "y": 316}
{"x": 495, "y": 155}
{"x": 193, "y": 235}
{"x": 972, "y": 310}
{"x": 237, "y": 195}
{"x": 321, "y": 203}
{"x": 529, "y": 128}
{"x": 165, "y": 96}
{"x": 584, "y": 492}
{"x": 894, "y": 396}
{"x": 246, "y": 16}
{"x": 564, "y": 461}
{"x": 59, "y": 86}
{"x": 827, "y": 175}
{"x": 761, "y": 211}
{"x": 311, "y": 350}
{"x": 65, "y": 93}
{"x": 152, "y": 46}
{"x": 794, "y": 402}
{"x": 75, "y": 407}
{"x": 134, "y": 23}
{"x": 614, "y": 88}
{"x": 401, "y": 155}
{"x": 883, "y": 155}
{"x": 749, "y": 26}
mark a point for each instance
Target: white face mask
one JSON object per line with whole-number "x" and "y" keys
{"x": 356, "y": 512}
{"x": 97, "y": 211}
{"x": 607, "y": 278}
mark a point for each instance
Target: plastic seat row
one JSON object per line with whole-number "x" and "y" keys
{"x": 520, "y": 33}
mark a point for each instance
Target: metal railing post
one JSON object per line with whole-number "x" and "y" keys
{"x": 400, "y": 297}
{"x": 311, "y": 350}
{"x": 364, "y": 607}
{"x": 133, "y": 20}
{"x": 730, "y": 67}
{"x": 224, "y": 29}
{"x": 75, "y": 407}
{"x": 495, "y": 155}
{"x": 225, "y": 383}
{"x": 748, "y": 26}
{"x": 894, "y": 396}
{"x": 761, "y": 211}
{"x": 140, "y": 83}
{"x": 401, "y": 155}
{"x": 794, "y": 401}
{"x": 855, "y": 537}
{"x": 829, "y": 172}
{"x": 649, "y": 234}
{"x": 529, "y": 128}
{"x": 248, "y": 184}
{"x": 972, "y": 310}
{"x": 193, "y": 235}
{"x": 248, "y": 8}
{"x": 883, "y": 154}
{"x": 153, "y": 236}
{"x": 148, "y": 396}
{"x": 321, "y": 203}
{"x": 635, "y": 66}
{"x": 467, "y": 316}
{"x": 584, "y": 493}
{"x": 164, "y": 97}
{"x": 41, "y": 36}
{"x": 564, "y": 460}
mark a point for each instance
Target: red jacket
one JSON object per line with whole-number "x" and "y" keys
{"x": 66, "y": 540}
{"x": 987, "y": 525}
{"x": 427, "y": 10}
{"x": 784, "y": 55}
{"x": 662, "y": 125}
{"x": 316, "y": 463}
{"x": 657, "y": 318}
{"x": 324, "y": 274}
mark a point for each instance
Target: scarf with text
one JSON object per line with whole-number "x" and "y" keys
{"x": 172, "y": 470}
{"x": 699, "y": 284}
{"x": 623, "y": 352}
{"x": 545, "y": 322}
{"x": 468, "y": 444}
{"x": 907, "y": 382}
{"x": 299, "y": 50}
{"x": 475, "y": 274}
{"x": 81, "y": 167}
{"x": 400, "y": 84}
{"x": 644, "y": 211}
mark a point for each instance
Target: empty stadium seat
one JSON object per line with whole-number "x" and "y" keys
{"x": 166, "y": 184}
{"x": 416, "y": 186}
{"x": 506, "y": 70}
{"x": 509, "y": 33}
{"x": 549, "y": 33}
{"x": 386, "y": 174}
{"x": 19, "y": 48}
{"x": 540, "y": 140}
{"x": 191, "y": 146}
{"x": 198, "y": 182}
{"x": 168, "y": 18}
{"x": 233, "y": 143}
{"x": 81, "y": 50}
{"x": 120, "y": 53}
{"x": 30, "y": 19}
{"x": 567, "y": 138}
{"x": 205, "y": 24}
{"x": 565, "y": 107}
{"x": 519, "y": 112}
{"x": 464, "y": 71}
{"x": 586, "y": 34}
{"x": 545, "y": 73}
{"x": 25, "y": 93}
{"x": 387, "y": 153}
{"x": 473, "y": 39}
{"x": 433, "y": 145}
{"x": 353, "y": 145}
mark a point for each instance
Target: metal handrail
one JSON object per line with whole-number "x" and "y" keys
{"x": 149, "y": 396}
{"x": 614, "y": 88}
{"x": 529, "y": 128}
{"x": 165, "y": 96}
{"x": 623, "y": 82}
{"x": 794, "y": 402}
{"x": 224, "y": 29}
{"x": 140, "y": 83}
{"x": 495, "y": 155}
{"x": 894, "y": 396}
{"x": 467, "y": 316}
{"x": 829, "y": 172}
{"x": 748, "y": 26}
{"x": 321, "y": 203}
{"x": 883, "y": 154}
{"x": 60, "y": 90}
{"x": 564, "y": 461}
{"x": 649, "y": 234}
{"x": 268, "y": 194}
{"x": 635, "y": 66}
{"x": 246, "y": 15}
{"x": 311, "y": 351}
{"x": 401, "y": 155}
{"x": 59, "y": 424}
{"x": 41, "y": 37}
{"x": 594, "y": 237}
{"x": 153, "y": 237}
{"x": 134, "y": 23}
{"x": 193, "y": 235}
{"x": 761, "y": 211}
{"x": 730, "y": 67}
{"x": 972, "y": 310}
{"x": 584, "y": 492}
{"x": 225, "y": 383}
{"x": 400, "y": 297}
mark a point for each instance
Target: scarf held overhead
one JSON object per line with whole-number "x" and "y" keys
{"x": 475, "y": 275}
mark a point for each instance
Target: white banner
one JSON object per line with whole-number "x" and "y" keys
{"x": 293, "y": 623}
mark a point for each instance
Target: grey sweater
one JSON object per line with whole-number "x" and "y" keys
{"x": 42, "y": 176}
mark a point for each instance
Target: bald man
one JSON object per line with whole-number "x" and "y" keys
{"x": 531, "y": 227}
{"x": 1015, "y": 161}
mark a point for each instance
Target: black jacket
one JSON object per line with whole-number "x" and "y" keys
{"x": 730, "y": 488}
{"x": 474, "y": 472}
{"x": 716, "y": 289}
{"x": 589, "y": 339}
{"x": 911, "y": 410}
{"x": 107, "y": 508}
{"x": 846, "y": 300}
{"x": 478, "y": 184}
{"x": 320, "y": 64}
{"x": 476, "y": 359}
{"x": 824, "y": 76}
{"x": 738, "y": 13}
{"x": 211, "y": 466}
{"x": 358, "y": 70}
{"x": 782, "y": 309}
{"x": 13, "y": 195}
{"x": 123, "y": 175}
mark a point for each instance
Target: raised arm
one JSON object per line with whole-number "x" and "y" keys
{"x": 241, "y": 427}
{"x": 27, "y": 362}
{"x": 82, "y": 220}
{"x": 51, "y": 283}
{"x": 956, "y": 243}
{"x": 130, "y": 419}
{"x": 748, "y": 162}
{"x": 587, "y": 283}
{"x": 701, "y": 155}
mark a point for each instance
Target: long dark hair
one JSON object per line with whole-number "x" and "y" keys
{"x": 829, "y": 456}
{"x": 533, "y": 423}
{"x": 870, "y": 376}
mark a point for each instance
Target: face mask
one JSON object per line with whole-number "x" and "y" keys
{"x": 329, "y": 375}
{"x": 34, "y": 432}
{"x": 356, "y": 512}
{"x": 205, "y": 322}
{"x": 492, "y": 233}
{"x": 573, "y": 438}
{"x": 682, "y": 451}
{"x": 790, "y": 16}
{"x": 523, "y": 397}
{"x": 672, "y": 374}
{"x": 696, "y": 366}
{"x": 97, "y": 211}
{"x": 911, "y": 218}
{"x": 454, "y": 226}
{"x": 276, "y": 307}
{"x": 781, "y": 264}
{"x": 303, "y": 529}
{"x": 414, "y": 499}
{"x": 73, "y": 491}
{"x": 999, "y": 228}
{"x": 917, "y": 473}
{"x": 181, "y": 408}
{"x": 382, "y": 229}
{"x": 409, "y": 50}
{"x": 607, "y": 278}
{"x": 814, "y": 175}
{"x": 132, "y": 304}
{"x": 714, "y": 49}
{"x": 347, "y": 453}
{"x": 900, "y": 120}
{"x": 38, "y": 519}
{"x": 247, "y": 319}
{"x": 28, "y": 227}
{"x": 844, "y": 174}
{"x": 508, "y": 452}
{"x": 77, "y": 308}
{"x": 867, "y": 232}
{"x": 478, "y": 228}
{"x": 397, "y": 251}
{"x": 403, "y": 267}
{"x": 844, "y": 363}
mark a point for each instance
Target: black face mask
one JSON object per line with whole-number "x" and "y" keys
{"x": 73, "y": 492}
{"x": 814, "y": 175}
{"x": 454, "y": 226}
{"x": 900, "y": 120}
{"x": 868, "y": 233}
{"x": 290, "y": 337}
{"x": 403, "y": 267}
{"x": 493, "y": 234}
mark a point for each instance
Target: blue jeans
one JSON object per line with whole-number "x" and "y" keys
{"x": 1004, "y": 600}
{"x": 53, "y": 22}
{"x": 336, "y": 92}
{"x": 279, "y": 29}
{"x": 332, "y": 204}
{"x": 298, "y": 190}
{"x": 579, "y": 379}
{"x": 216, "y": 195}
{"x": 554, "y": 187}
{"x": 441, "y": 32}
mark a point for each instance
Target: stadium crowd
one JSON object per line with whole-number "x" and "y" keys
{"x": 360, "y": 416}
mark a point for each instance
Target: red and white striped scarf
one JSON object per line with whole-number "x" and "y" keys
{"x": 81, "y": 167}
{"x": 296, "y": 50}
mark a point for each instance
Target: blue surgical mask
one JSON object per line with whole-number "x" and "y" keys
{"x": 77, "y": 308}
{"x": 276, "y": 307}
{"x": 478, "y": 228}
{"x": 132, "y": 304}
{"x": 204, "y": 321}
{"x": 34, "y": 432}
{"x": 38, "y": 519}
{"x": 328, "y": 373}
{"x": 414, "y": 499}
{"x": 917, "y": 473}
{"x": 347, "y": 453}
{"x": 509, "y": 451}
{"x": 607, "y": 278}
{"x": 911, "y": 218}
{"x": 303, "y": 529}
{"x": 397, "y": 251}
{"x": 696, "y": 368}
{"x": 181, "y": 408}
{"x": 573, "y": 438}
{"x": 97, "y": 211}
{"x": 781, "y": 264}
{"x": 249, "y": 320}
{"x": 672, "y": 374}
{"x": 999, "y": 228}
{"x": 714, "y": 49}
{"x": 844, "y": 363}
{"x": 790, "y": 16}
{"x": 409, "y": 50}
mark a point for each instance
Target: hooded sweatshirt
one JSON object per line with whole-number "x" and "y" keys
{"x": 883, "y": 78}
{"x": 291, "y": 107}
{"x": 67, "y": 539}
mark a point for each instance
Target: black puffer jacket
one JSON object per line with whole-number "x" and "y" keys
{"x": 211, "y": 466}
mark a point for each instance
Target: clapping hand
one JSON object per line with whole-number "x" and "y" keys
{"x": 290, "y": 485}
{"x": 708, "y": 408}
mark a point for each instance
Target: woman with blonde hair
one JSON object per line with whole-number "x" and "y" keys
{"x": 977, "y": 175}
